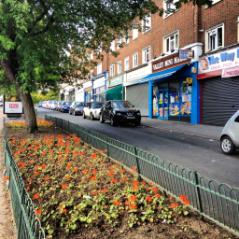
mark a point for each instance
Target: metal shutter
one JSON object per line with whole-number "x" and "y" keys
{"x": 138, "y": 96}
{"x": 220, "y": 100}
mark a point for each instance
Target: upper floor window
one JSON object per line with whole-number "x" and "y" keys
{"x": 146, "y": 54}
{"x": 99, "y": 68}
{"x": 126, "y": 64}
{"x": 126, "y": 39}
{"x": 112, "y": 46}
{"x": 135, "y": 59}
{"x": 112, "y": 70}
{"x": 120, "y": 41}
{"x": 169, "y": 7}
{"x": 171, "y": 42}
{"x": 146, "y": 23}
{"x": 119, "y": 67}
{"x": 214, "y": 38}
{"x": 135, "y": 33}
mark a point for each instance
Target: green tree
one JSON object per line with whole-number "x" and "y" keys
{"x": 35, "y": 36}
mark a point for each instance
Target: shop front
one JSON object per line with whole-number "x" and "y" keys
{"x": 87, "y": 87}
{"x": 115, "y": 88}
{"x": 136, "y": 91}
{"x": 80, "y": 95}
{"x": 219, "y": 86}
{"x": 173, "y": 89}
{"x": 99, "y": 87}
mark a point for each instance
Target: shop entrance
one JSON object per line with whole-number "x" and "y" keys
{"x": 172, "y": 100}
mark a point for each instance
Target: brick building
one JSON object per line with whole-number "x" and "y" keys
{"x": 157, "y": 69}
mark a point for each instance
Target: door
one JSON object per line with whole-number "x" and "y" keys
{"x": 163, "y": 104}
{"x": 174, "y": 101}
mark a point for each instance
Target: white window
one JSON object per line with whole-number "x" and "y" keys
{"x": 126, "y": 39}
{"x": 119, "y": 67}
{"x": 135, "y": 33}
{"x": 169, "y": 7}
{"x": 112, "y": 70}
{"x": 146, "y": 54}
{"x": 215, "y": 1}
{"x": 146, "y": 23}
{"x": 112, "y": 46}
{"x": 135, "y": 59}
{"x": 99, "y": 68}
{"x": 171, "y": 43}
{"x": 126, "y": 64}
{"x": 237, "y": 29}
{"x": 214, "y": 38}
{"x": 120, "y": 41}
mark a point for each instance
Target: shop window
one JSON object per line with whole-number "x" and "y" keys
{"x": 135, "y": 33}
{"x": 146, "y": 55}
{"x": 126, "y": 64}
{"x": 214, "y": 38}
{"x": 146, "y": 23}
{"x": 119, "y": 67}
{"x": 171, "y": 43}
{"x": 135, "y": 60}
{"x": 99, "y": 68}
{"x": 112, "y": 70}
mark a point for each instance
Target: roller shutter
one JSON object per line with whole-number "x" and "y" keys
{"x": 138, "y": 96}
{"x": 220, "y": 100}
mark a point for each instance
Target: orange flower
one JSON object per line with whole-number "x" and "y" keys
{"x": 184, "y": 199}
{"x": 157, "y": 195}
{"x": 135, "y": 185}
{"x": 114, "y": 180}
{"x": 105, "y": 190}
{"x": 148, "y": 199}
{"x": 81, "y": 153}
{"x": 155, "y": 190}
{"x": 75, "y": 169}
{"x": 21, "y": 164}
{"x": 173, "y": 205}
{"x": 36, "y": 196}
{"x": 43, "y": 166}
{"x": 94, "y": 155}
{"x": 38, "y": 211}
{"x": 117, "y": 203}
{"x": 64, "y": 186}
{"x": 46, "y": 178}
{"x": 94, "y": 171}
{"x": 68, "y": 165}
{"x": 133, "y": 206}
{"x": 133, "y": 198}
{"x": 85, "y": 171}
{"x": 93, "y": 178}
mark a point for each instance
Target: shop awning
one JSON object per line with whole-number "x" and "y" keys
{"x": 162, "y": 75}
{"x": 115, "y": 93}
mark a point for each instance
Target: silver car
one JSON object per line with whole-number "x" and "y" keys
{"x": 230, "y": 135}
{"x": 92, "y": 110}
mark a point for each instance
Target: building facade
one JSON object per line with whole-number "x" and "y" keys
{"x": 162, "y": 70}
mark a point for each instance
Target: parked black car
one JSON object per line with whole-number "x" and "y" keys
{"x": 65, "y": 106}
{"x": 120, "y": 111}
{"x": 76, "y": 108}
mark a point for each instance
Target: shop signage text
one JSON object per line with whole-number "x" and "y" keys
{"x": 167, "y": 62}
{"x": 13, "y": 107}
{"x": 219, "y": 61}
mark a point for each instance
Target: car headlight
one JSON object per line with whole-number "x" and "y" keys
{"x": 118, "y": 113}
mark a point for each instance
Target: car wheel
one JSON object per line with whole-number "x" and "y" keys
{"x": 92, "y": 116}
{"x": 102, "y": 118}
{"x": 227, "y": 145}
{"x": 84, "y": 117}
{"x": 112, "y": 121}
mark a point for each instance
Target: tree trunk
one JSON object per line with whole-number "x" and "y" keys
{"x": 29, "y": 111}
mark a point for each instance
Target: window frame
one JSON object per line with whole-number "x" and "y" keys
{"x": 112, "y": 70}
{"x": 135, "y": 36}
{"x": 167, "y": 42}
{"x": 146, "y": 23}
{"x": 126, "y": 59}
{"x": 146, "y": 59}
{"x": 133, "y": 57}
{"x": 119, "y": 63}
{"x": 99, "y": 68}
{"x": 213, "y": 32}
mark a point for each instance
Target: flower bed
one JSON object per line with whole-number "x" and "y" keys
{"x": 79, "y": 193}
{"x": 22, "y": 124}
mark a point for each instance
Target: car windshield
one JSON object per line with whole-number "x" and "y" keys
{"x": 79, "y": 104}
{"x": 66, "y": 103}
{"x": 96, "y": 105}
{"x": 122, "y": 104}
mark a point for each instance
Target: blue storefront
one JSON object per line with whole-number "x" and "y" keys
{"x": 173, "y": 90}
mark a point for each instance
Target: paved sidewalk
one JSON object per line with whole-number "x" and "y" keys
{"x": 7, "y": 230}
{"x": 204, "y": 131}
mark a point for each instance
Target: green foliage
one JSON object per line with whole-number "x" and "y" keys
{"x": 50, "y": 95}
